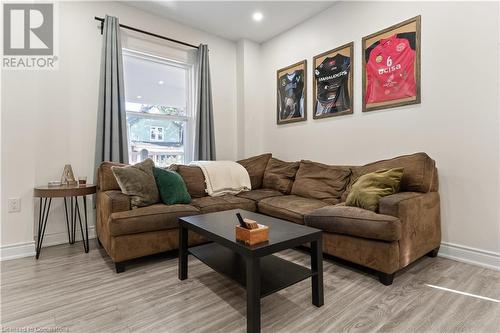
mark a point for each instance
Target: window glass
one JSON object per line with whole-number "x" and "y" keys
{"x": 157, "y": 102}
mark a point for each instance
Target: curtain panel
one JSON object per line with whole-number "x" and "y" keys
{"x": 204, "y": 147}
{"x": 111, "y": 138}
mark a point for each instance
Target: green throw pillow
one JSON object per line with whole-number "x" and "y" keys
{"x": 368, "y": 189}
{"x": 171, "y": 187}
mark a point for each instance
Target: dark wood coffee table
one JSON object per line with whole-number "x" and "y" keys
{"x": 253, "y": 267}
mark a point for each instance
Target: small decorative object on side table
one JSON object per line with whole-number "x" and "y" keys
{"x": 71, "y": 192}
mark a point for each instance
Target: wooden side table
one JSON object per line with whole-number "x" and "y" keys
{"x": 71, "y": 192}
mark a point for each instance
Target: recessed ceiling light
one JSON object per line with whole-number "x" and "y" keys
{"x": 257, "y": 16}
{"x": 139, "y": 96}
{"x": 161, "y": 82}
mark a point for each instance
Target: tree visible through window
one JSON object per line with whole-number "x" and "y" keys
{"x": 157, "y": 102}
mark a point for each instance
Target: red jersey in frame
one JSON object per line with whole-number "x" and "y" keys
{"x": 390, "y": 69}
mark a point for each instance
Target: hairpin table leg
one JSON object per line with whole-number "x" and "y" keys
{"x": 42, "y": 223}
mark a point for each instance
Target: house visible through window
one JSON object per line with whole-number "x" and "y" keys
{"x": 156, "y": 133}
{"x": 158, "y": 103}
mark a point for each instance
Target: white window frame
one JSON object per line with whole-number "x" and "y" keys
{"x": 189, "y": 118}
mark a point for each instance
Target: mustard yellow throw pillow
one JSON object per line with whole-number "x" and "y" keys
{"x": 368, "y": 189}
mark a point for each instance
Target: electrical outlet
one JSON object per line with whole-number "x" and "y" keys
{"x": 14, "y": 205}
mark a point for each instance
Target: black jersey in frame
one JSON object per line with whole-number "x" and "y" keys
{"x": 332, "y": 82}
{"x": 291, "y": 95}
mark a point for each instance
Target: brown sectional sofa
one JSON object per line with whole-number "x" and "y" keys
{"x": 405, "y": 228}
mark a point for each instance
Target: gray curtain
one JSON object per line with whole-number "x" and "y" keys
{"x": 111, "y": 140}
{"x": 204, "y": 139}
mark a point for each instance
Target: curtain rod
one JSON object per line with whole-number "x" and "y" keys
{"x": 146, "y": 33}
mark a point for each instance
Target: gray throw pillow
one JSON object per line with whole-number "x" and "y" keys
{"x": 138, "y": 182}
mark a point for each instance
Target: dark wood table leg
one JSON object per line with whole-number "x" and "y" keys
{"x": 317, "y": 269}
{"x": 183, "y": 254}
{"x": 253, "y": 294}
{"x": 42, "y": 223}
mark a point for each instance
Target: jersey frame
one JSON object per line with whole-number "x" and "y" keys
{"x": 298, "y": 65}
{"x": 416, "y": 21}
{"x": 347, "y": 50}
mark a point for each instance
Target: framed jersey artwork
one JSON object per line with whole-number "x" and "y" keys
{"x": 391, "y": 66}
{"x": 292, "y": 92}
{"x": 333, "y": 82}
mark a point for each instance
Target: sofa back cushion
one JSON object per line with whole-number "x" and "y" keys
{"x": 420, "y": 172}
{"x": 256, "y": 166}
{"x": 279, "y": 175}
{"x": 321, "y": 181}
{"x": 106, "y": 180}
{"x": 193, "y": 177}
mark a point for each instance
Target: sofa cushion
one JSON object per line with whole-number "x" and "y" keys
{"x": 226, "y": 202}
{"x": 171, "y": 187}
{"x": 289, "y": 207}
{"x": 261, "y": 193}
{"x": 368, "y": 189}
{"x": 420, "y": 172}
{"x": 193, "y": 177}
{"x": 320, "y": 181}
{"x": 279, "y": 175}
{"x": 256, "y": 166}
{"x": 152, "y": 218}
{"x": 138, "y": 182}
{"x": 355, "y": 221}
{"x": 106, "y": 180}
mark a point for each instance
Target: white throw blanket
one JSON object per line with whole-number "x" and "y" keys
{"x": 224, "y": 177}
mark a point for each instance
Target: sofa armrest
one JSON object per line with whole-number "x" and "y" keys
{"x": 109, "y": 202}
{"x": 420, "y": 218}
{"x": 391, "y": 204}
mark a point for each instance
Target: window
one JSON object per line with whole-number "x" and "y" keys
{"x": 156, "y": 133}
{"x": 158, "y": 104}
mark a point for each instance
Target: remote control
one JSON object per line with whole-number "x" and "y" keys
{"x": 240, "y": 219}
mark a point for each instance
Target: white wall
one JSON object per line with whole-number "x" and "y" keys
{"x": 249, "y": 98}
{"x": 49, "y": 117}
{"x": 457, "y": 122}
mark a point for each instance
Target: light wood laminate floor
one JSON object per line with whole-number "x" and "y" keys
{"x": 76, "y": 292}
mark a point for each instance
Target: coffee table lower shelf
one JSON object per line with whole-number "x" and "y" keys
{"x": 276, "y": 273}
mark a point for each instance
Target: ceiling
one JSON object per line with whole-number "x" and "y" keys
{"x": 233, "y": 19}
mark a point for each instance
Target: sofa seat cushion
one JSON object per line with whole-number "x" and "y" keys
{"x": 354, "y": 221}
{"x": 152, "y": 218}
{"x": 225, "y": 202}
{"x": 262, "y": 193}
{"x": 289, "y": 207}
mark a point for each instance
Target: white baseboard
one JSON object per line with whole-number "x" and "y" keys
{"x": 15, "y": 251}
{"x": 21, "y": 250}
{"x": 470, "y": 255}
